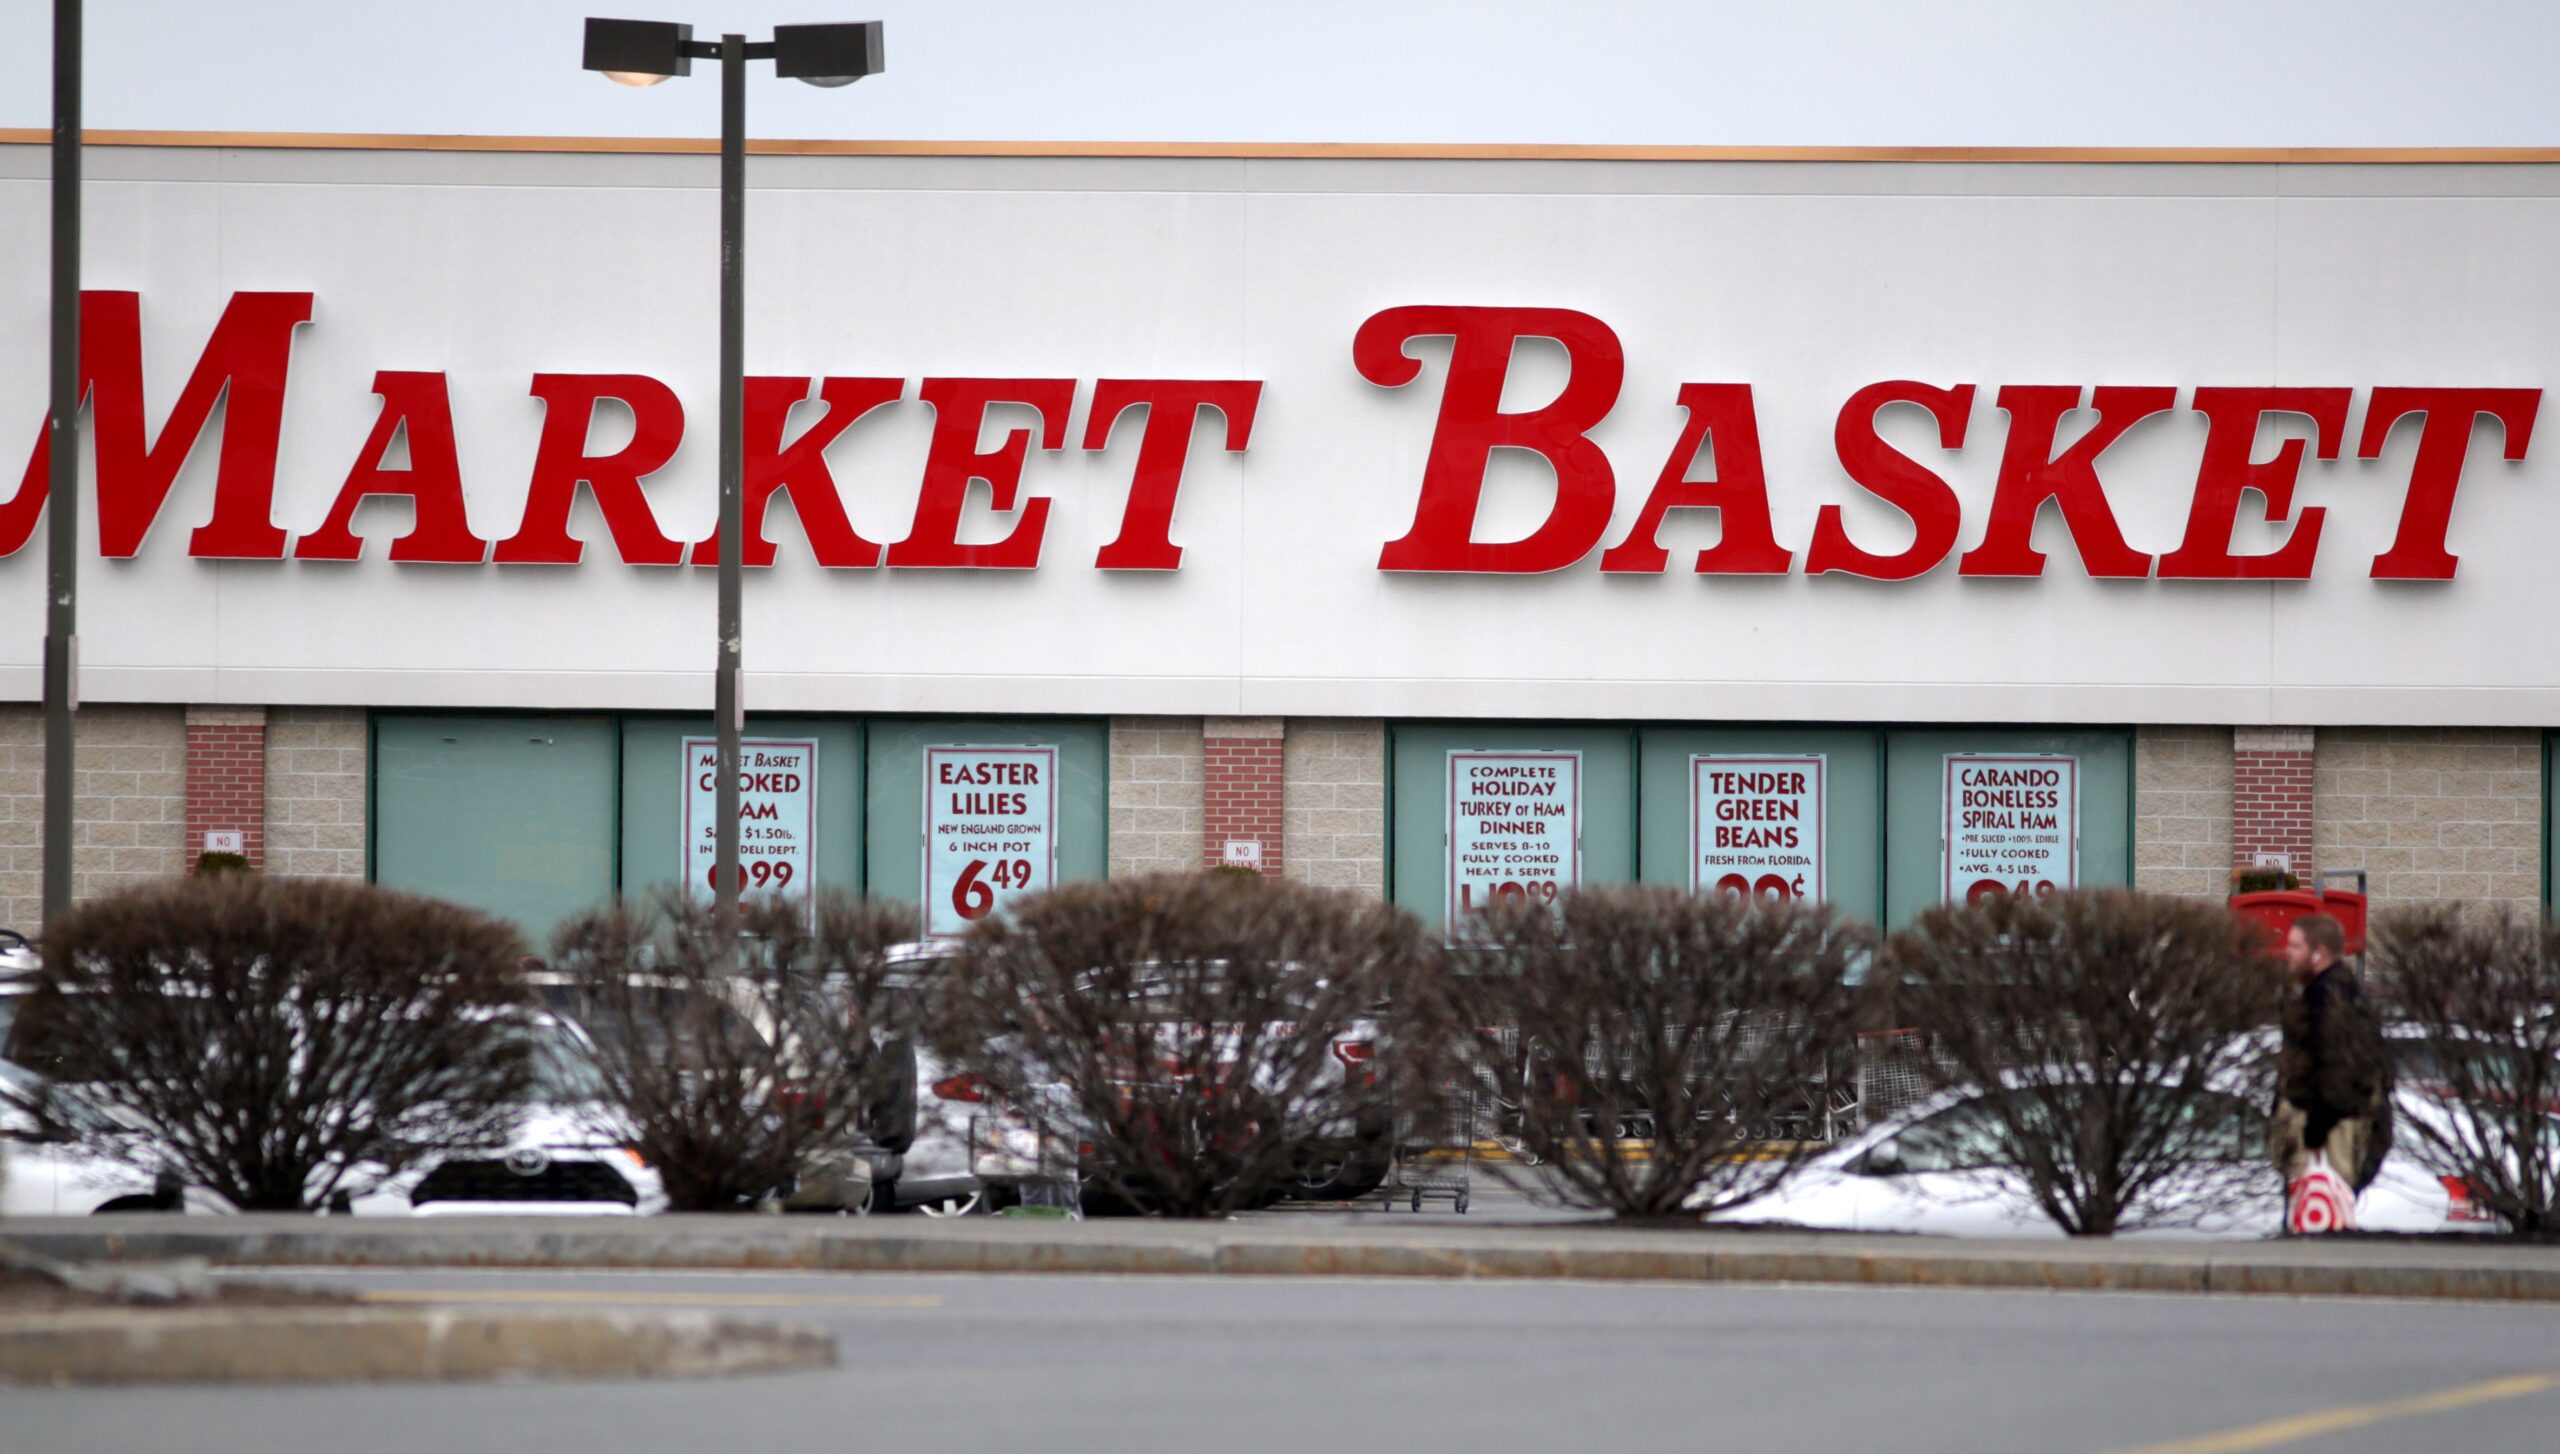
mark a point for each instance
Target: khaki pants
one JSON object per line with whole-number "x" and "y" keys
{"x": 2346, "y": 1146}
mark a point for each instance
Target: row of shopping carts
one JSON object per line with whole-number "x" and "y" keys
{"x": 1437, "y": 1156}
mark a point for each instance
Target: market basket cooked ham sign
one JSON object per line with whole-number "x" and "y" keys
{"x": 2012, "y": 825}
{"x": 1515, "y": 829}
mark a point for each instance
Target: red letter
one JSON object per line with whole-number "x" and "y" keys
{"x": 2417, "y": 553}
{"x": 244, "y": 362}
{"x": 801, "y": 470}
{"x": 1739, "y": 494}
{"x": 1890, "y": 475}
{"x": 2031, "y": 473}
{"x": 954, "y": 459}
{"x": 418, "y": 405}
{"x": 2231, "y": 433}
{"x": 1173, "y": 406}
{"x": 1471, "y": 427}
{"x": 561, "y": 461}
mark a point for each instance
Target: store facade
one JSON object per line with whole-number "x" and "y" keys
{"x": 1444, "y": 527}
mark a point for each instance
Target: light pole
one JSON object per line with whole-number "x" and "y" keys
{"x": 62, "y": 517}
{"x": 643, "y": 53}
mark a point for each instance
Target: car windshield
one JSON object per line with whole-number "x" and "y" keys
{"x": 563, "y": 1074}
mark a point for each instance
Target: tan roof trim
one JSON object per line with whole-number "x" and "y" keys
{"x": 350, "y": 141}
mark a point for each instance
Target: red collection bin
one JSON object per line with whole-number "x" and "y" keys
{"x": 2276, "y": 909}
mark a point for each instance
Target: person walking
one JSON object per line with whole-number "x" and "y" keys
{"x": 2333, "y": 1089}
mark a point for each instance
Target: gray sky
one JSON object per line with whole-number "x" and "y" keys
{"x": 1835, "y": 72}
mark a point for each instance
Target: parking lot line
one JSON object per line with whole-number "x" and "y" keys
{"x": 599, "y": 1297}
{"x": 2278, "y": 1432}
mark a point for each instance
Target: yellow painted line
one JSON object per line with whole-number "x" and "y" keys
{"x": 2294, "y": 1430}
{"x": 588, "y": 1297}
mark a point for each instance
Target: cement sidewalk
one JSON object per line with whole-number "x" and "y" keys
{"x": 1310, "y": 1246}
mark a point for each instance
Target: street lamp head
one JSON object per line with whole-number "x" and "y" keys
{"x": 638, "y": 52}
{"x": 828, "y": 55}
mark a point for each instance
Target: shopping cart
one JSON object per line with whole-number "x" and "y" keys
{"x": 1435, "y": 1154}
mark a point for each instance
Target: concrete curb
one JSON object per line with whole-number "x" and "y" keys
{"x": 2497, "y": 1272}
{"x": 374, "y": 1345}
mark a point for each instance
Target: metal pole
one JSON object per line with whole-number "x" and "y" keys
{"x": 62, "y": 524}
{"x": 733, "y": 366}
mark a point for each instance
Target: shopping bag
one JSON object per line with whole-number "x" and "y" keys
{"x": 2319, "y": 1201}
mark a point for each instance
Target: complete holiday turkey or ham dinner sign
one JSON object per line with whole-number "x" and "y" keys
{"x": 243, "y": 368}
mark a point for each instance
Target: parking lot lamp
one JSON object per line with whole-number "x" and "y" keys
{"x": 643, "y": 53}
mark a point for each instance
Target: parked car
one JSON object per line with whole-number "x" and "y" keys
{"x": 558, "y": 1162}
{"x": 552, "y": 1163}
{"x": 1342, "y": 1157}
{"x": 1930, "y": 1169}
{"x": 45, "y": 1173}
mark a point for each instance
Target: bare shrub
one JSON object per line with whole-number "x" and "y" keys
{"x": 1649, "y": 1048}
{"x": 738, "y": 1063}
{"x": 2111, "y": 1039}
{"x": 1206, "y": 1038}
{"x": 2478, "y": 993}
{"x": 279, "y": 1041}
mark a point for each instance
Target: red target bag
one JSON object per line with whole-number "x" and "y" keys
{"x": 2319, "y": 1201}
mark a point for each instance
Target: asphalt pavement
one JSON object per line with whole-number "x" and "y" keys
{"x": 1244, "y": 1364}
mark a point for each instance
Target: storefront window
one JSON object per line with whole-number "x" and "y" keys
{"x": 800, "y": 804}
{"x": 964, "y": 815}
{"x": 513, "y": 816}
{"x": 1970, "y": 809}
{"x": 1880, "y": 821}
{"x": 1499, "y": 811}
{"x": 1780, "y": 811}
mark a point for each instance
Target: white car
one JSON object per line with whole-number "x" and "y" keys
{"x": 558, "y": 1162}
{"x": 554, "y": 1163}
{"x": 1927, "y": 1170}
{"x": 45, "y": 1176}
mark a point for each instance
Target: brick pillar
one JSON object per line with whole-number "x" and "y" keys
{"x": 2271, "y": 786}
{"x": 1240, "y": 787}
{"x": 227, "y": 779}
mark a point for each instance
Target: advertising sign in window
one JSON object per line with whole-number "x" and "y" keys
{"x": 777, "y": 816}
{"x": 1515, "y": 829}
{"x": 990, "y": 831}
{"x": 1755, "y": 826}
{"x": 2012, "y": 825}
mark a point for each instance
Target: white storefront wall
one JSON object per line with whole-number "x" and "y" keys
{"x": 1806, "y": 281}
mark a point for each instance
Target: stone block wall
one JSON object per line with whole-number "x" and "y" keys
{"x": 1156, "y": 776}
{"x": 2433, "y": 812}
{"x": 1333, "y": 812}
{"x": 316, "y": 792}
{"x": 2182, "y": 810}
{"x": 129, "y": 795}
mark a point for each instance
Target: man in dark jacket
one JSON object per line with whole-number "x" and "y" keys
{"x": 2334, "y": 1079}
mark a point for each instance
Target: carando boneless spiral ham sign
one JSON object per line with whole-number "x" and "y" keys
{"x": 1755, "y": 826}
{"x": 2012, "y": 825}
{"x": 1515, "y": 828}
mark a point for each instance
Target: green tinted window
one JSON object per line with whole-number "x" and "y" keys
{"x": 510, "y": 815}
{"x": 1424, "y": 872}
{"x": 1917, "y": 798}
{"x": 894, "y": 786}
{"x": 1759, "y": 785}
{"x": 654, "y": 788}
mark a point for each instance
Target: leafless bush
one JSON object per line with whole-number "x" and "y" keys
{"x": 1649, "y": 1048}
{"x": 2479, "y": 994}
{"x": 1207, "y": 1038}
{"x": 738, "y": 1064}
{"x": 2110, "y": 1036}
{"x": 279, "y": 1041}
